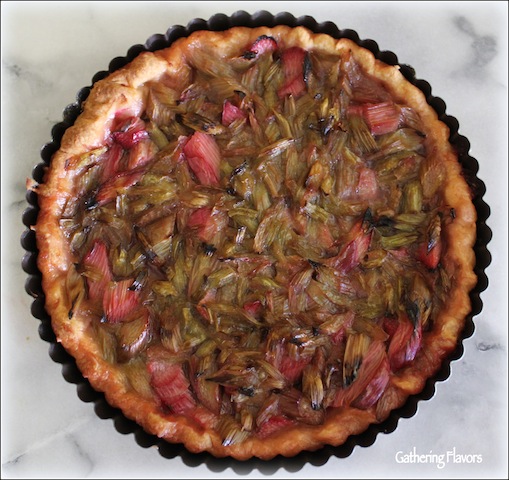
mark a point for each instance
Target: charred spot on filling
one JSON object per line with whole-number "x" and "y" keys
{"x": 209, "y": 249}
{"x": 249, "y": 55}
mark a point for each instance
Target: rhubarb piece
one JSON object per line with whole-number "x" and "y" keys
{"x": 207, "y": 224}
{"x": 295, "y": 62}
{"x": 97, "y": 270}
{"x": 120, "y": 300}
{"x": 171, "y": 386}
{"x": 430, "y": 251}
{"x": 371, "y": 375}
{"x": 261, "y": 45}
{"x": 132, "y": 134}
{"x": 354, "y": 250}
{"x": 203, "y": 156}
{"x": 231, "y": 113}
{"x": 405, "y": 343}
{"x": 134, "y": 336}
{"x": 381, "y": 118}
{"x": 273, "y": 425}
{"x": 116, "y": 186}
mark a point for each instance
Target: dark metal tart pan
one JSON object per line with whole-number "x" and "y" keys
{"x": 124, "y": 425}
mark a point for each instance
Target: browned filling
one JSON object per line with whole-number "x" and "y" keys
{"x": 264, "y": 244}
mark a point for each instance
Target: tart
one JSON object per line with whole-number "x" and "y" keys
{"x": 256, "y": 241}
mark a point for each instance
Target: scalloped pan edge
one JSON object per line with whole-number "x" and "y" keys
{"x": 124, "y": 425}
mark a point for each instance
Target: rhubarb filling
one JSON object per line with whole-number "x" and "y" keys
{"x": 262, "y": 245}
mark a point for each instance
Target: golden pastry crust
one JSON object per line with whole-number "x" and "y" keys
{"x": 127, "y": 90}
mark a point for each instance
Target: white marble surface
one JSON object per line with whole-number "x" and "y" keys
{"x": 51, "y": 50}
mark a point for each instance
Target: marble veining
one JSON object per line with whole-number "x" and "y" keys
{"x": 484, "y": 48}
{"x": 484, "y": 346}
{"x": 50, "y": 50}
{"x": 14, "y": 69}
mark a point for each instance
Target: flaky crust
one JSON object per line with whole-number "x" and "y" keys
{"x": 126, "y": 89}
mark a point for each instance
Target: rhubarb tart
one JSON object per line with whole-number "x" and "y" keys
{"x": 256, "y": 241}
